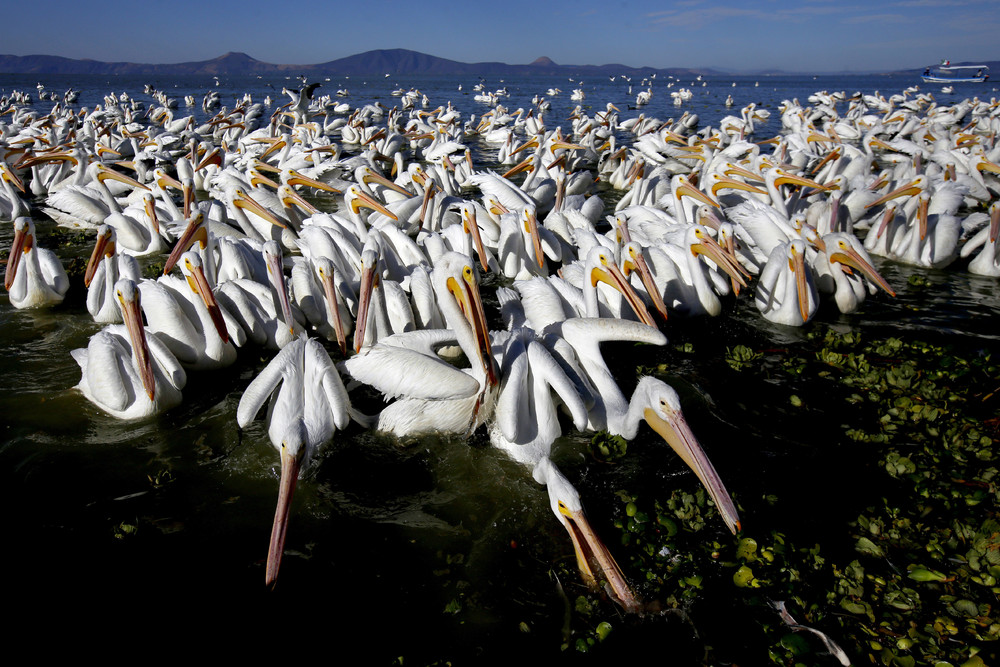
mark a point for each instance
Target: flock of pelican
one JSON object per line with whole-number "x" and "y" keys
{"x": 366, "y": 235}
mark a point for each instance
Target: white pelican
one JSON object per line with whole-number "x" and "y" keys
{"x": 653, "y": 401}
{"x": 88, "y": 205}
{"x": 126, "y": 373}
{"x": 264, "y": 311}
{"x": 844, "y": 269}
{"x": 185, "y": 315}
{"x": 786, "y": 291}
{"x": 308, "y": 403}
{"x": 987, "y": 260}
{"x": 525, "y": 426}
{"x": 35, "y": 277}
{"x": 12, "y": 205}
{"x": 105, "y": 268}
{"x": 435, "y": 396}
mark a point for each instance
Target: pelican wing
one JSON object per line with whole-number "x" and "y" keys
{"x": 398, "y": 371}
{"x": 266, "y": 383}
{"x": 323, "y": 373}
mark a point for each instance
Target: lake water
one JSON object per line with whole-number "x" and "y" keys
{"x": 443, "y": 549}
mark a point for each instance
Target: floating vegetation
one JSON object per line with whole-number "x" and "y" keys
{"x": 917, "y": 578}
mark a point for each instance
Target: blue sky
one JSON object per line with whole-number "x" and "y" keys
{"x": 806, "y": 36}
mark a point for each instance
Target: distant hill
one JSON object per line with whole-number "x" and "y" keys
{"x": 370, "y": 63}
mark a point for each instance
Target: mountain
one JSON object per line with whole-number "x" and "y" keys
{"x": 370, "y": 63}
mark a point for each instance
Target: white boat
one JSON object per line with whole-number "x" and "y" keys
{"x": 948, "y": 73}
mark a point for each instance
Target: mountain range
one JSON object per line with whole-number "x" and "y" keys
{"x": 370, "y": 63}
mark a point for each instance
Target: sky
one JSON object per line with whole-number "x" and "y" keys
{"x": 800, "y": 36}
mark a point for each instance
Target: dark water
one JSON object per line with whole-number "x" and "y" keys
{"x": 443, "y": 549}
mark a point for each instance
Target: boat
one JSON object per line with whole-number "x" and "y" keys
{"x": 948, "y": 73}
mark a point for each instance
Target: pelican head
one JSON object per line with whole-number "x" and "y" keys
{"x": 194, "y": 272}
{"x": 103, "y": 247}
{"x": 846, "y": 250}
{"x": 24, "y": 241}
{"x": 602, "y": 268}
{"x": 662, "y": 411}
{"x": 462, "y": 284}
{"x": 592, "y": 557}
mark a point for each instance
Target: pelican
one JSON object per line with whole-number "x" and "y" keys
{"x": 786, "y": 291}
{"x": 105, "y": 268}
{"x": 308, "y": 404}
{"x": 127, "y": 373}
{"x": 264, "y": 311}
{"x": 987, "y": 260}
{"x": 12, "y": 205}
{"x": 844, "y": 269}
{"x": 35, "y": 277}
{"x": 525, "y": 426}
{"x": 435, "y": 396}
{"x": 652, "y": 401}
{"x": 186, "y": 316}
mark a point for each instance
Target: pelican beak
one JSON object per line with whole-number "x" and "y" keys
{"x": 289, "y": 197}
{"x": 332, "y": 308}
{"x": 104, "y": 247}
{"x": 797, "y": 264}
{"x": 689, "y": 190}
{"x": 132, "y": 315}
{"x": 369, "y": 281}
{"x": 636, "y": 261}
{"x": 213, "y": 156}
{"x": 785, "y": 178}
{"x": 591, "y": 555}
{"x": 295, "y": 178}
{"x": 467, "y": 295}
{"x": 914, "y": 187}
{"x": 195, "y": 231}
{"x": 609, "y": 274}
{"x": 290, "y": 466}
{"x": 363, "y": 200}
{"x": 850, "y": 257}
{"x": 257, "y": 178}
{"x": 982, "y": 165}
{"x": 272, "y": 149}
{"x": 710, "y": 248}
{"x": 11, "y": 177}
{"x": 994, "y": 221}
{"x": 105, "y": 173}
{"x": 723, "y": 182}
{"x": 531, "y": 227}
{"x": 276, "y": 273}
{"x": 22, "y": 243}
{"x": 472, "y": 228}
{"x": 187, "y": 188}
{"x": 165, "y": 180}
{"x": 530, "y": 143}
{"x": 45, "y": 159}
{"x": 887, "y": 216}
{"x": 150, "y": 207}
{"x": 244, "y": 201}
{"x": 675, "y": 430}
{"x": 523, "y": 165}
{"x": 199, "y": 285}
{"x": 922, "y": 215}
